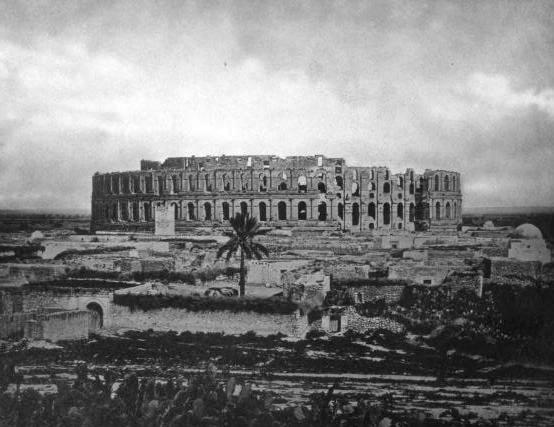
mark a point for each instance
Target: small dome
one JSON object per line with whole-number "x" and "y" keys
{"x": 37, "y": 235}
{"x": 488, "y": 224}
{"x": 527, "y": 231}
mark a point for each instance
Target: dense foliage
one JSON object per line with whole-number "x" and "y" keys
{"x": 94, "y": 251}
{"x": 202, "y": 303}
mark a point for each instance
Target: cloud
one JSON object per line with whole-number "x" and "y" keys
{"x": 496, "y": 90}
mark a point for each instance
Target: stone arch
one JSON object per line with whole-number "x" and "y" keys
{"x": 386, "y": 188}
{"x": 322, "y": 211}
{"x": 386, "y": 214}
{"x": 282, "y": 211}
{"x": 438, "y": 210}
{"x": 447, "y": 210}
{"x": 355, "y": 214}
{"x": 207, "y": 211}
{"x": 371, "y": 210}
{"x": 97, "y": 315}
{"x": 321, "y": 187}
{"x": 225, "y": 208}
{"x": 302, "y": 211}
{"x": 400, "y": 210}
{"x": 436, "y": 183}
{"x": 191, "y": 210}
{"x": 302, "y": 184}
{"x": 175, "y": 210}
{"x": 243, "y": 208}
{"x": 446, "y": 183}
{"x": 263, "y": 182}
{"x": 282, "y": 186}
{"x": 262, "y": 208}
{"x": 207, "y": 184}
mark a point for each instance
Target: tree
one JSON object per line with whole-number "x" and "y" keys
{"x": 245, "y": 228}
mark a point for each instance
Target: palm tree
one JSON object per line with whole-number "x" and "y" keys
{"x": 245, "y": 228}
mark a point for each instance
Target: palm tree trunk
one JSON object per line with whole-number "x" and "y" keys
{"x": 242, "y": 274}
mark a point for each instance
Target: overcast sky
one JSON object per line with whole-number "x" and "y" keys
{"x": 100, "y": 85}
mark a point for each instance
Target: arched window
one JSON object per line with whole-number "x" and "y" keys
{"x": 455, "y": 210}
{"x": 371, "y": 226}
{"x": 161, "y": 184}
{"x": 207, "y": 185}
{"x": 371, "y": 186}
{"x": 447, "y": 210}
{"x": 207, "y": 211}
{"x": 355, "y": 214}
{"x": 243, "y": 182}
{"x": 147, "y": 212}
{"x": 263, "y": 211}
{"x": 302, "y": 211}
{"x": 302, "y": 184}
{"x": 175, "y": 182}
{"x": 446, "y": 183}
{"x": 400, "y": 210}
{"x": 282, "y": 186}
{"x": 321, "y": 187}
{"x": 438, "y": 211}
{"x": 386, "y": 214}
{"x": 114, "y": 212}
{"x": 436, "y": 183}
{"x": 412, "y": 189}
{"x": 136, "y": 211}
{"x": 386, "y": 187}
{"x": 355, "y": 189}
{"x": 453, "y": 182}
{"x": 412, "y": 212}
{"x": 124, "y": 212}
{"x": 371, "y": 210}
{"x": 341, "y": 211}
{"x": 191, "y": 211}
{"x": 386, "y": 174}
{"x": 372, "y": 174}
{"x": 192, "y": 185}
{"x": 243, "y": 208}
{"x": 225, "y": 207}
{"x": 411, "y": 175}
{"x": 400, "y": 182}
{"x": 338, "y": 181}
{"x": 175, "y": 207}
{"x": 322, "y": 211}
{"x": 263, "y": 182}
{"x": 282, "y": 210}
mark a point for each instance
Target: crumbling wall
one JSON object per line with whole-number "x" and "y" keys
{"x": 506, "y": 267}
{"x": 390, "y": 293}
{"x": 65, "y": 325}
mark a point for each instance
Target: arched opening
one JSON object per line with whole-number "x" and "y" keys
{"x": 263, "y": 211}
{"x": 97, "y": 316}
{"x": 124, "y": 211}
{"x": 436, "y": 183}
{"x": 225, "y": 207}
{"x": 322, "y": 211}
{"x": 387, "y": 174}
{"x": 321, "y": 187}
{"x": 207, "y": 185}
{"x": 400, "y": 182}
{"x": 114, "y": 213}
{"x": 371, "y": 210}
{"x": 282, "y": 186}
{"x": 147, "y": 212}
{"x": 302, "y": 184}
{"x": 420, "y": 211}
{"x": 372, "y": 185}
{"x": 136, "y": 211}
{"x": 371, "y": 226}
{"x": 386, "y": 188}
{"x": 412, "y": 212}
{"x": 412, "y": 188}
{"x": 338, "y": 181}
{"x": 207, "y": 211}
{"x": 175, "y": 211}
{"x": 192, "y": 185}
{"x": 191, "y": 211}
{"x": 355, "y": 189}
{"x": 446, "y": 183}
{"x": 175, "y": 183}
{"x": 455, "y": 210}
{"x": 355, "y": 214}
{"x": 447, "y": 210}
{"x": 161, "y": 184}
{"x": 341, "y": 211}
{"x": 386, "y": 214}
{"x": 263, "y": 182}
{"x": 400, "y": 210}
{"x": 454, "y": 183}
{"x": 282, "y": 211}
{"x": 438, "y": 211}
{"x": 243, "y": 208}
{"x": 302, "y": 213}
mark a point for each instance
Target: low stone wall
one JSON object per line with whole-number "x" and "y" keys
{"x": 390, "y": 293}
{"x": 502, "y": 267}
{"x": 65, "y": 325}
{"x": 208, "y": 321}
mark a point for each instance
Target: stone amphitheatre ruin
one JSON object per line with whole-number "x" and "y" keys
{"x": 291, "y": 191}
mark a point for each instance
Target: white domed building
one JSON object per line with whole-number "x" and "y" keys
{"x": 527, "y": 244}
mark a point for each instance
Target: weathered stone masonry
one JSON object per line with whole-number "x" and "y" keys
{"x": 291, "y": 191}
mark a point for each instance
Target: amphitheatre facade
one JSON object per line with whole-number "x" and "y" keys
{"x": 305, "y": 191}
